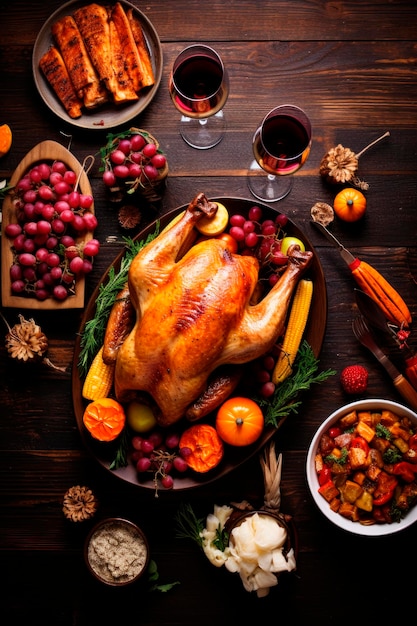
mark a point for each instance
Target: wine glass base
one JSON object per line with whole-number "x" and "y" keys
{"x": 203, "y": 134}
{"x": 266, "y": 187}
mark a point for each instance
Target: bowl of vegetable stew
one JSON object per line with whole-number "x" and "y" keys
{"x": 362, "y": 467}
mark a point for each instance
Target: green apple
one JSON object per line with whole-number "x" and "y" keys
{"x": 140, "y": 417}
{"x": 289, "y": 241}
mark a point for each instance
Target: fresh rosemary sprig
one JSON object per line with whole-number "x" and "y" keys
{"x": 188, "y": 525}
{"x": 120, "y": 459}
{"x": 94, "y": 330}
{"x": 284, "y": 401}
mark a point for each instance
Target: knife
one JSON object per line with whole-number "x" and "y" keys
{"x": 371, "y": 311}
{"x": 372, "y": 283}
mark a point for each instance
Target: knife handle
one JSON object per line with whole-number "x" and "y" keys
{"x": 406, "y": 390}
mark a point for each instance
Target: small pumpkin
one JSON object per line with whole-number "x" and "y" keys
{"x": 350, "y": 204}
{"x": 239, "y": 421}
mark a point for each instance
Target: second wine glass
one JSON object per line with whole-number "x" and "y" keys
{"x": 281, "y": 146}
{"x": 199, "y": 88}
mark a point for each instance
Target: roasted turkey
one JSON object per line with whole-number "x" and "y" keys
{"x": 195, "y": 324}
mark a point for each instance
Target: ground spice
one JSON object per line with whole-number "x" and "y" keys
{"x": 117, "y": 553}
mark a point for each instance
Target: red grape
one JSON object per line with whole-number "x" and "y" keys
{"x": 167, "y": 481}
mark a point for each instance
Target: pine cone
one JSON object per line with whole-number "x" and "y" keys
{"x": 79, "y": 504}
{"x": 339, "y": 165}
{"x": 129, "y": 216}
{"x": 26, "y": 341}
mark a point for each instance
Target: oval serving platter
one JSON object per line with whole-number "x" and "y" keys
{"x": 109, "y": 115}
{"x": 45, "y": 151}
{"x": 234, "y": 456}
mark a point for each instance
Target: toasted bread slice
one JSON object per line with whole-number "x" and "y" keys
{"x": 122, "y": 85}
{"x": 56, "y": 73}
{"x": 130, "y": 51}
{"x": 82, "y": 73}
{"x": 148, "y": 77}
{"x": 103, "y": 45}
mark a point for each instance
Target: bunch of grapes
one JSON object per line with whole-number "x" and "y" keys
{"x": 159, "y": 454}
{"x": 51, "y": 217}
{"x": 131, "y": 161}
{"x": 262, "y": 238}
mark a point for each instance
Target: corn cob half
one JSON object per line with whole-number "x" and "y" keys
{"x": 99, "y": 379}
{"x": 297, "y": 321}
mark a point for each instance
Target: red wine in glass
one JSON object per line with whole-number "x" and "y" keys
{"x": 281, "y": 146}
{"x": 198, "y": 86}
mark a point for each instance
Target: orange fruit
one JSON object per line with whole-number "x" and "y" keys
{"x": 205, "y": 445}
{"x": 239, "y": 421}
{"x": 5, "y": 139}
{"x": 104, "y": 419}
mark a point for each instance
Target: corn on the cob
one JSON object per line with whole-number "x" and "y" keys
{"x": 99, "y": 379}
{"x": 384, "y": 294}
{"x": 295, "y": 328}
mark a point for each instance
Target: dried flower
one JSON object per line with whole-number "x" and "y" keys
{"x": 79, "y": 504}
{"x": 322, "y": 213}
{"x": 26, "y": 342}
{"x": 340, "y": 165}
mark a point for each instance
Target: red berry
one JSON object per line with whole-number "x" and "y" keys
{"x": 354, "y": 379}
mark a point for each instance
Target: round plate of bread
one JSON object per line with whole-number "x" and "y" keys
{"x": 97, "y": 66}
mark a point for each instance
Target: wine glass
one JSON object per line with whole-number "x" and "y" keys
{"x": 281, "y": 146}
{"x": 199, "y": 88}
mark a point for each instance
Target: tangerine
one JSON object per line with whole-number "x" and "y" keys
{"x": 104, "y": 419}
{"x": 5, "y": 139}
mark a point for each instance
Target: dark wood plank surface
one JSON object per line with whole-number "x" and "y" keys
{"x": 352, "y": 66}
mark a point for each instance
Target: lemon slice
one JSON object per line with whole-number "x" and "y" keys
{"x": 215, "y": 225}
{"x": 5, "y": 139}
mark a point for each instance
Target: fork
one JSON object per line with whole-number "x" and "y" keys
{"x": 364, "y": 335}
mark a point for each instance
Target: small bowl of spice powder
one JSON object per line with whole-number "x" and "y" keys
{"x": 116, "y": 552}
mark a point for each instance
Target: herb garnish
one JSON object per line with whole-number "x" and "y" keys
{"x": 94, "y": 329}
{"x": 221, "y": 540}
{"x": 284, "y": 402}
{"x": 188, "y": 525}
{"x": 340, "y": 460}
{"x": 383, "y": 432}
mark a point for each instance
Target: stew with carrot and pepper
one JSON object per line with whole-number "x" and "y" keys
{"x": 366, "y": 465}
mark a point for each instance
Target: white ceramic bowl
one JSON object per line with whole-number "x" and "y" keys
{"x": 375, "y": 530}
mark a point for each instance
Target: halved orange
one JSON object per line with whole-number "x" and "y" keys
{"x": 5, "y": 139}
{"x": 213, "y": 226}
{"x": 205, "y": 445}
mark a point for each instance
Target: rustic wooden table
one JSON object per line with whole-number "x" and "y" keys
{"x": 352, "y": 67}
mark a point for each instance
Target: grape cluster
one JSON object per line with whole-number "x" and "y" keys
{"x": 159, "y": 454}
{"x": 262, "y": 238}
{"x": 51, "y": 216}
{"x": 132, "y": 160}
